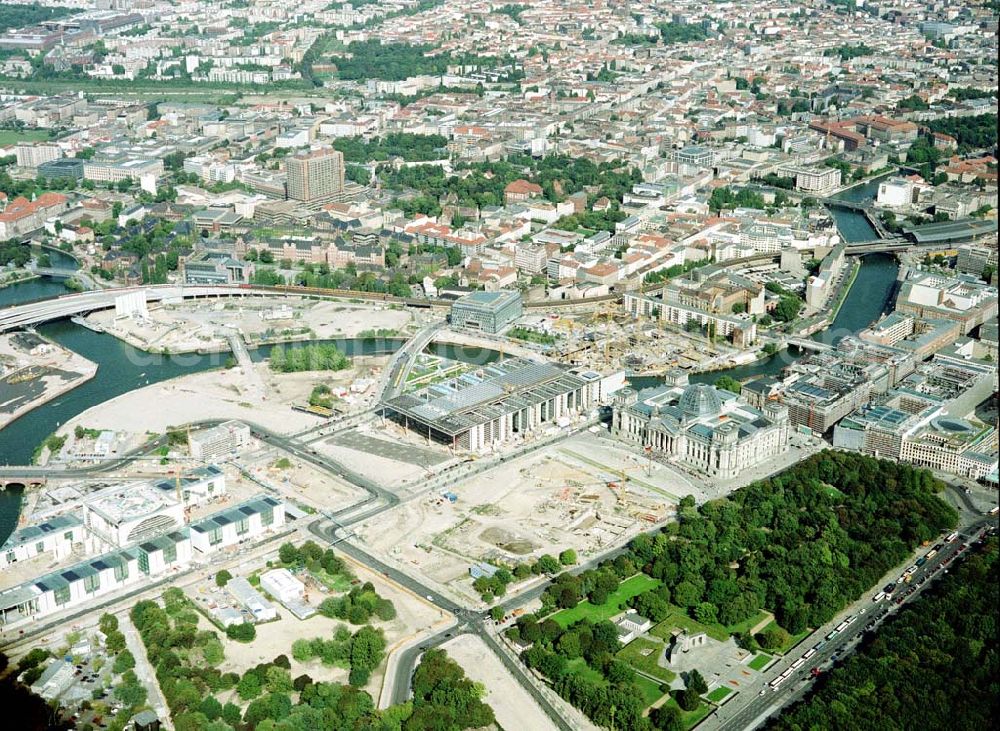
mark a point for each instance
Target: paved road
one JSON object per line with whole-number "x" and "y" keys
{"x": 394, "y": 375}
{"x": 335, "y": 528}
{"x": 469, "y": 621}
{"x": 755, "y": 703}
{"x": 144, "y": 670}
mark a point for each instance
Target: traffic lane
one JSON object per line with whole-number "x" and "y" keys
{"x": 396, "y": 575}
{"x": 852, "y": 633}
{"x": 407, "y": 661}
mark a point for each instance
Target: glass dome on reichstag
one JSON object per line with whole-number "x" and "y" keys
{"x": 700, "y": 400}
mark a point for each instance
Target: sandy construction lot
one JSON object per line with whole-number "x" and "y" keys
{"x": 212, "y": 395}
{"x": 513, "y": 705}
{"x": 563, "y": 496}
{"x": 302, "y": 482}
{"x": 388, "y": 454}
{"x": 203, "y": 325}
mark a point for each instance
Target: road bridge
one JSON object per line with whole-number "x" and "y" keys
{"x": 396, "y": 372}
{"x": 808, "y": 344}
{"x": 37, "y": 312}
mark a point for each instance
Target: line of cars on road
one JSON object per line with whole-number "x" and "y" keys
{"x": 907, "y": 577}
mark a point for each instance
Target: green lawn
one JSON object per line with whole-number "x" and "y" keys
{"x": 579, "y": 666}
{"x": 13, "y": 136}
{"x": 719, "y": 693}
{"x": 335, "y": 582}
{"x": 793, "y": 640}
{"x": 833, "y": 492}
{"x": 625, "y": 591}
{"x": 759, "y": 662}
{"x": 650, "y": 690}
{"x": 748, "y": 624}
{"x": 691, "y": 718}
{"x": 632, "y": 653}
{"x": 678, "y": 619}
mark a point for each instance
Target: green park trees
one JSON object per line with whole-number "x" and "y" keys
{"x": 944, "y": 646}
{"x": 802, "y": 544}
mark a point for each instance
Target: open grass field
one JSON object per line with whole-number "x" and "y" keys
{"x": 579, "y": 666}
{"x": 759, "y": 662}
{"x": 650, "y": 690}
{"x": 616, "y": 601}
{"x": 633, "y": 654}
{"x": 793, "y": 640}
{"x": 748, "y": 624}
{"x": 719, "y": 693}
{"x": 677, "y": 619}
{"x": 13, "y": 136}
{"x": 691, "y": 718}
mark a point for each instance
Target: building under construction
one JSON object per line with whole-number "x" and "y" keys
{"x": 499, "y": 402}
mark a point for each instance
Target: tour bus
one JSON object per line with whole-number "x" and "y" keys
{"x": 808, "y": 653}
{"x": 849, "y": 619}
{"x": 776, "y": 682}
{"x": 842, "y": 626}
{"x": 798, "y": 663}
{"x": 951, "y": 537}
{"x": 878, "y": 597}
{"x": 785, "y": 674}
{"x": 994, "y": 510}
{"x": 931, "y": 553}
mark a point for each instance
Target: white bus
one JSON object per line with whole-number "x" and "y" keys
{"x": 842, "y": 626}
{"x": 798, "y": 663}
{"x": 952, "y": 536}
{"x": 809, "y": 653}
{"x": 878, "y": 597}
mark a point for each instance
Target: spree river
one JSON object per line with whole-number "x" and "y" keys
{"x": 122, "y": 368}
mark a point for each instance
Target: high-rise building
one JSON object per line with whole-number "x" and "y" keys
{"x": 316, "y": 176}
{"x": 33, "y": 154}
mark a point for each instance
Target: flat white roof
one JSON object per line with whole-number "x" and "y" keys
{"x": 122, "y": 503}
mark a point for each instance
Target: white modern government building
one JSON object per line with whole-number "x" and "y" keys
{"x": 140, "y": 531}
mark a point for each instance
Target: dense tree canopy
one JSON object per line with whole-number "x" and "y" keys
{"x": 802, "y": 543}
{"x": 978, "y": 131}
{"x": 483, "y": 184}
{"x": 19, "y": 15}
{"x": 397, "y": 61}
{"x": 410, "y": 147}
{"x": 726, "y": 198}
{"x": 443, "y": 698}
{"x": 933, "y": 666}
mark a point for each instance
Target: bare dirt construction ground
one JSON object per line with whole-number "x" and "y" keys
{"x": 388, "y": 454}
{"x": 213, "y": 395}
{"x": 513, "y": 706}
{"x": 566, "y": 495}
{"x": 36, "y": 371}
{"x": 413, "y": 616}
{"x": 203, "y": 325}
{"x": 303, "y": 483}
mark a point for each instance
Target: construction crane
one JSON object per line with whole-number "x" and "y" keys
{"x": 607, "y": 312}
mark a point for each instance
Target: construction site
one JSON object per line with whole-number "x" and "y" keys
{"x": 205, "y": 326}
{"x": 610, "y": 338}
{"x": 34, "y": 370}
{"x": 586, "y": 493}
